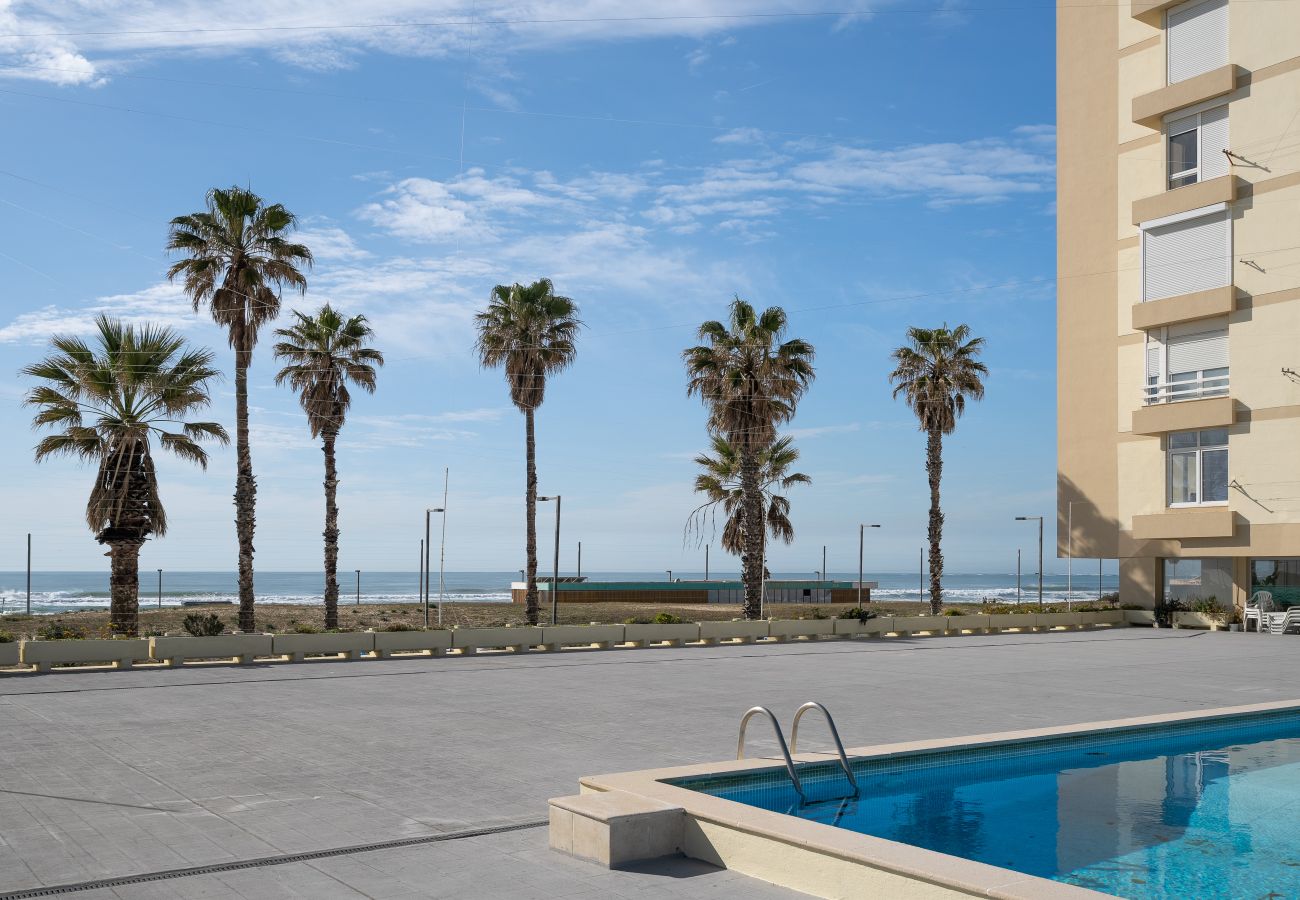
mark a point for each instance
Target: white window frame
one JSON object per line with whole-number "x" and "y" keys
{"x": 1198, "y": 110}
{"x": 1182, "y": 217}
{"x": 1198, "y": 452}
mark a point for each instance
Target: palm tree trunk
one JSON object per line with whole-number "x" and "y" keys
{"x": 331, "y": 533}
{"x": 124, "y": 587}
{"x": 934, "y": 469}
{"x": 530, "y": 509}
{"x": 245, "y": 493}
{"x": 751, "y": 562}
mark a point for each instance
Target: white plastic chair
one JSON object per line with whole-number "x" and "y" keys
{"x": 1260, "y": 603}
{"x": 1282, "y": 622}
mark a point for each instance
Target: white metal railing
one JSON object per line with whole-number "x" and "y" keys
{"x": 1188, "y": 389}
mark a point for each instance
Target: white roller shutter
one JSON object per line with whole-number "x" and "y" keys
{"x": 1197, "y": 346}
{"x": 1153, "y": 357}
{"x": 1214, "y": 140}
{"x": 1197, "y": 37}
{"x": 1186, "y": 257}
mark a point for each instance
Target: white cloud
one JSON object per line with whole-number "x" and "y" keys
{"x": 291, "y": 30}
{"x": 161, "y": 304}
{"x": 740, "y": 135}
{"x": 820, "y": 431}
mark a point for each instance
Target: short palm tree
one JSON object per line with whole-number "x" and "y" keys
{"x": 107, "y": 403}
{"x": 530, "y": 331}
{"x": 237, "y": 260}
{"x": 750, "y": 381}
{"x": 936, "y": 372}
{"x": 720, "y": 483}
{"x": 323, "y": 353}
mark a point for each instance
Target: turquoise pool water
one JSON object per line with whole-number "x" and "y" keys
{"x": 1201, "y": 811}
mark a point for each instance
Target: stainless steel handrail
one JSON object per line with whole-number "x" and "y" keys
{"x": 780, "y": 739}
{"x": 835, "y": 736}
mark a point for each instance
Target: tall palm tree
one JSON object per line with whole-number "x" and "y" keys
{"x": 237, "y": 261}
{"x": 322, "y": 354}
{"x": 532, "y": 332}
{"x": 751, "y": 382}
{"x": 720, "y": 483}
{"x": 936, "y": 372}
{"x": 107, "y": 402}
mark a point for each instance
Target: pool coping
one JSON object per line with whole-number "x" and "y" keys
{"x": 825, "y": 861}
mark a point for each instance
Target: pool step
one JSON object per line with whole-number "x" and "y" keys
{"x": 615, "y": 828}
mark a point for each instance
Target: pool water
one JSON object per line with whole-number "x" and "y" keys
{"x": 1197, "y": 810}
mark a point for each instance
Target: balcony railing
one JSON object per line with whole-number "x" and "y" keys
{"x": 1197, "y": 388}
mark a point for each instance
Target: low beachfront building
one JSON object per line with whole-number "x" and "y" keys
{"x": 1179, "y": 295}
{"x": 679, "y": 591}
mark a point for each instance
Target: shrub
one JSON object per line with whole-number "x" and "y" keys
{"x": 6, "y": 637}
{"x": 954, "y": 612}
{"x": 400, "y": 626}
{"x": 859, "y": 613}
{"x": 1131, "y": 606}
{"x": 203, "y": 624}
{"x": 667, "y": 619}
{"x": 300, "y": 628}
{"x": 57, "y": 631}
{"x": 1109, "y": 598}
{"x": 636, "y": 620}
{"x": 817, "y": 614}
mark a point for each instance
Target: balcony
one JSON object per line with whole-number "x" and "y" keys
{"x": 1149, "y": 108}
{"x": 1186, "y": 524}
{"x": 1184, "y": 308}
{"x": 1187, "y": 415}
{"x": 1175, "y": 390}
{"x": 1186, "y": 198}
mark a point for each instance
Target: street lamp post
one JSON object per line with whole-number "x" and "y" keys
{"x": 428, "y": 576}
{"x": 670, "y": 574}
{"x": 160, "y": 588}
{"x": 1017, "y": 576}
{"x": 861, "y": 531}
{"x": 1038, "y": 519}
{"x": 358, "y": 587}
{"x": 555, "y": 581}
{"x": 442, "y": 548}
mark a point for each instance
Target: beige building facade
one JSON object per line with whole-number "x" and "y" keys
{"x": 1178, "y": 305}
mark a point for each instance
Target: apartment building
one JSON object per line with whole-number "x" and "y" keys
{"x": 1179, "y": 294}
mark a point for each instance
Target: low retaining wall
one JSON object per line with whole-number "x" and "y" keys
{"x": 274, "y": 648}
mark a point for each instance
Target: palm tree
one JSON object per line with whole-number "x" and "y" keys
{"x": 237, "y": 260}
{"x": 751, "y": 383}
{"x": 936, "y": 372}
{"x": 720, "y": 483}
{"x": 531, "y": 331}
{"x": 107, "y": 403}
{"x": 324, "y": 352}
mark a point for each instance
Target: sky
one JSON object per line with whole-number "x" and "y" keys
{"x": 867, "y": 167}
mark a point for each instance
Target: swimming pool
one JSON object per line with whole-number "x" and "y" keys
{"x": 1193, "y": 809}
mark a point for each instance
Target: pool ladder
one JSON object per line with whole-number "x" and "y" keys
{"x": 786, "y": 751}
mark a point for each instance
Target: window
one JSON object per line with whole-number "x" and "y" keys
{"x": 1192, "y": 253}
{"x": 1196, "y": 143}
{"x": 1186, "y": 580}
{"x": 1198, "y": 467}
{"x": 1196, "y": 35}
{"x": 1187, "y": 361}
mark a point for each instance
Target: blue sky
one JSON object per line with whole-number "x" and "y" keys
{"x": 866, "y": 172}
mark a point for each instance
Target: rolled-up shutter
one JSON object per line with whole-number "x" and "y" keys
{"x": 1186, "y": 257}
{"x": 1197, "y": 346}
{"x": 1197, "y": 38}
{"x": 1214, "y": 140}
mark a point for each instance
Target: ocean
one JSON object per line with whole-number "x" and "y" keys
{"x": 54, "y": 592}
